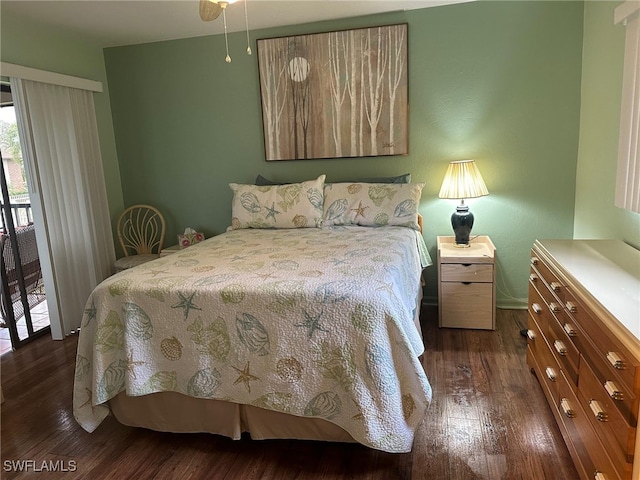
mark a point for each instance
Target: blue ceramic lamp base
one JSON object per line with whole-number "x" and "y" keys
{"x": 462, "y": 222}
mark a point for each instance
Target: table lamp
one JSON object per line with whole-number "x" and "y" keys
{"x": 462, "y": 180}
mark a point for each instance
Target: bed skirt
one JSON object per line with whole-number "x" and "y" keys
{"x": 177, "y": 413}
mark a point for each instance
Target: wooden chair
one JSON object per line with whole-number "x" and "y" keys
{"x": 141, "y": 230}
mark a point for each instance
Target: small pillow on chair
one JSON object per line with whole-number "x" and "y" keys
{"x": 131, "y": 261}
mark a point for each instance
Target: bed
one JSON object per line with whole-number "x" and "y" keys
{"x": 307, "y": 333}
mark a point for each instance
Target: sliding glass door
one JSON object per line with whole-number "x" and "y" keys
{"x": 23, "y": 309}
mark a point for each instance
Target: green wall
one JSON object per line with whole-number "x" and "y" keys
{"x": 495, "y": 81}
{"x": 602, "y": 65}
{"x": 39, "y": 46}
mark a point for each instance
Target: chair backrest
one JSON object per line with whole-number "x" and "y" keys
{"x": 141, "y": 230}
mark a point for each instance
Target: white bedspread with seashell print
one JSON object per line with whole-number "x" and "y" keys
{"x": 315, "y": 322}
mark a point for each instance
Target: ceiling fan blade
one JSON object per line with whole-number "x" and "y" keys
{"x": 209, "y": 10}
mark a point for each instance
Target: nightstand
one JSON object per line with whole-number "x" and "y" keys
{"x": 467, "y": 284}
{"x": 169, "y": 250}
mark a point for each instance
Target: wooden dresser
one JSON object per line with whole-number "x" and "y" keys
{"x": 584, "y": 346}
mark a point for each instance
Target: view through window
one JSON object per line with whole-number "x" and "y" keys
{"x": 12, "y": 163}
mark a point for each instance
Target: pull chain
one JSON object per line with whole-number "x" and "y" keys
{"x": 226, "y": 41}
{"x": 246, "y": 23}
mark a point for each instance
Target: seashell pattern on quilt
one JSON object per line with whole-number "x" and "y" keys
{"x": 307, "y": 321}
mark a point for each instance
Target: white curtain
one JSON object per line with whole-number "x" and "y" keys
{"x": 59, "y": 136}
{"x": 628, "y": 172}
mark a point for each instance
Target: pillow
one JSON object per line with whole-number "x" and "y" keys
{"x": 406, "y": 178}
{"x": 261, "y": 181}
{"x": 295, "y": 205}
{"x": 372, "y": 204}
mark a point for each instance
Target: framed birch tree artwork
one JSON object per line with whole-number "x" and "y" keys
{"x": 335, "y": 95}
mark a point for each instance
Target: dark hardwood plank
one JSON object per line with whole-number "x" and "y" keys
{"x": 488, "y": 420}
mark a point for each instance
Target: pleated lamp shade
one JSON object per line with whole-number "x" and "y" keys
{"x": 463, "y": 180}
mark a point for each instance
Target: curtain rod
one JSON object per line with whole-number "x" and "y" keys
{"x": 625, "y": 10}
{"x": 44, "y": 76}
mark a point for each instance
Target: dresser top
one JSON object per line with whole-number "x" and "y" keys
{"x": 608, "y": 269}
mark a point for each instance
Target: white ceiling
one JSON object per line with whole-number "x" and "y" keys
{"x": 111, "y": 23}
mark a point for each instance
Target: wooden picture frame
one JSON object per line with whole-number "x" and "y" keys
{"x": 335, "y": 95}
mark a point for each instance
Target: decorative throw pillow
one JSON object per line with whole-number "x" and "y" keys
{"x": 372, "y": 204}
{"x": 295, "y": 205}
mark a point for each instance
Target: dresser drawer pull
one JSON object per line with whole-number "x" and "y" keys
{"x": 534, "y": 260}
{"x": 560, "y": 347}
{"x": 536, "y": 308}
{"x": 566, "y": 408}
{"x": 598, "y": 412}
{"x": 599, "y": 476}
{"x": 615, "y": 361}
{"x": 613, "y": 391}
{"x": 533, "y": 277}
{"x": 571, "y": 307}
{"x": 531, "y": 335}
{"x": 570, "y": 330}
{"x": 551, "y": 374}
{"x": 554, "y": 307}
{"x": 555, "y": 286}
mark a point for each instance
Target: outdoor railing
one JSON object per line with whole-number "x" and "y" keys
{"x": 21, "y": 213}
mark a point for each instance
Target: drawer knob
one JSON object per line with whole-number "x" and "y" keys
{"x": 598, "y": 412}
{"x": 560, "y": 347}
{"x": 570, "y": 330}
{"x": 599, "y": 476}
{"x": 555, "y": 286}
{"x": 613, "y": 391}
{"x": 533, "y": 277}
{"x": 536, "y": 308}
{"x": 551, "y": 374}
{"x": 566, "y": 408}
{"x": 615, "y": 361}
{"x": 571, "y": 307}
{"x": 531, "y": 335}
{"x": 554, "y": 307}
{"x": 534, "y": 260}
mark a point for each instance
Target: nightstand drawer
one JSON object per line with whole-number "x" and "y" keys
{"x": 466, "y": 272}
{"x": 467, "y": 305}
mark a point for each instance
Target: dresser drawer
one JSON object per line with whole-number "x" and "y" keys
{"x": 537, "y": 307}
{"x": 609, "y": 355}
{"x": 539, "y": 268}
{"x": 614, "y": 431}
{"x": 549, "y": 370}
{"x": 627, "y": 401}
{"x": 466, "y": 272}
{"x": 550, "y": 298}
{"x": 592, "y": 455}
{"x": 563, "y": 348}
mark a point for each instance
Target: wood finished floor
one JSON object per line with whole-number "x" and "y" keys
{"x": 488, "y": 420}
